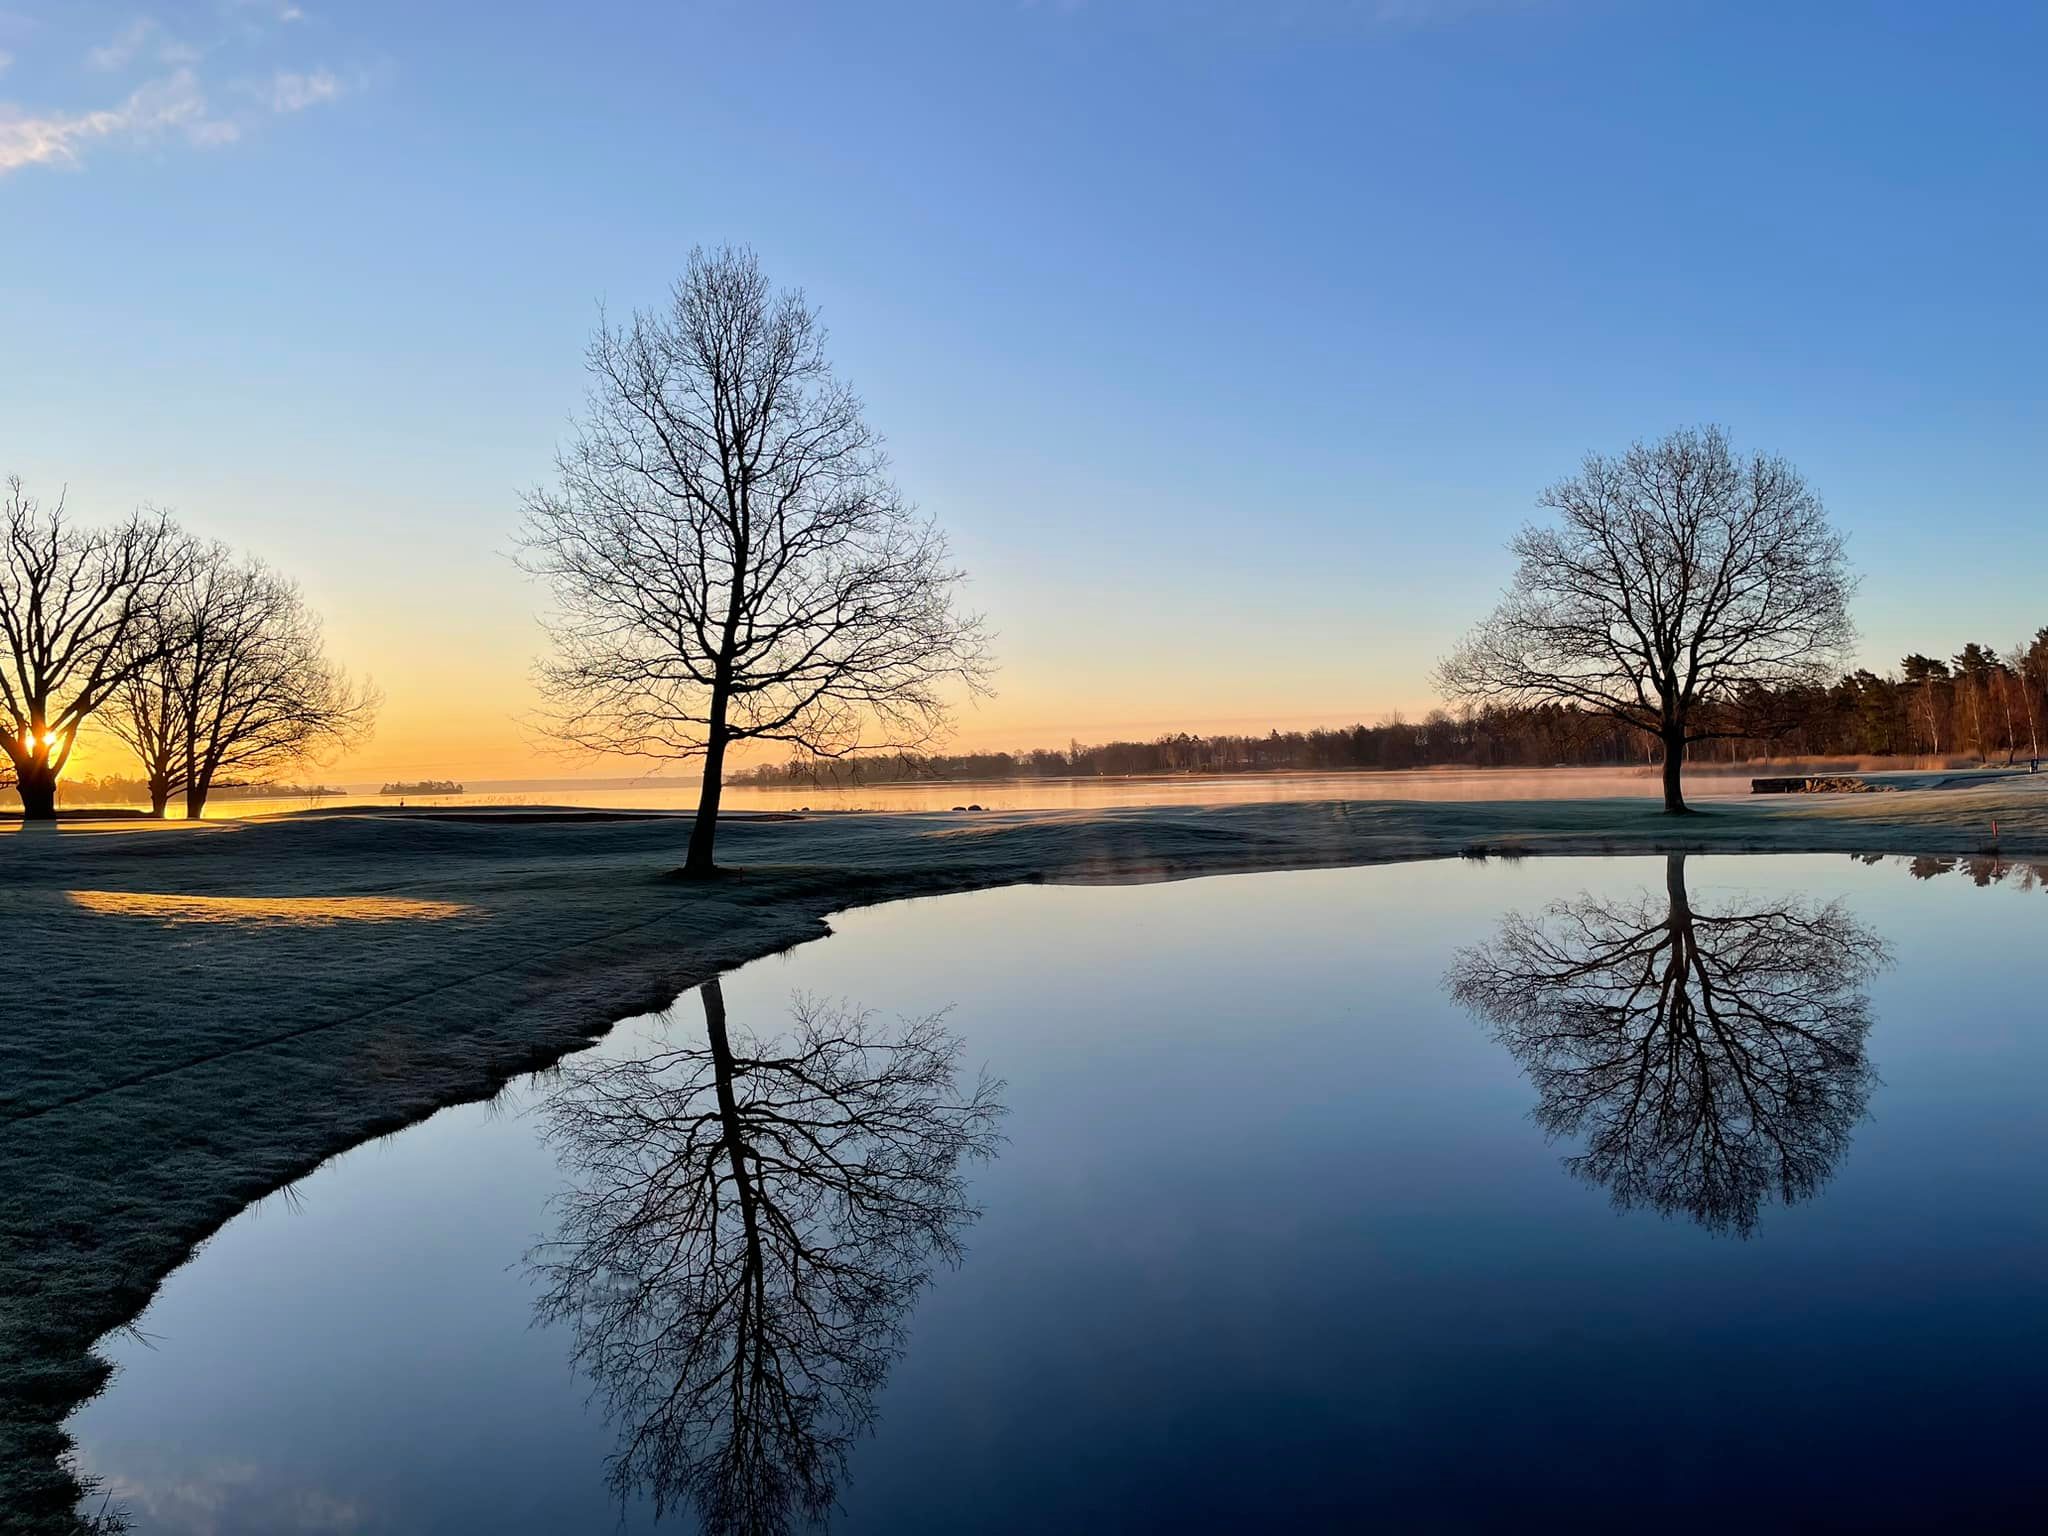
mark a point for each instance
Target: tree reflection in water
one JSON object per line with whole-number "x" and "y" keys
{"x": 1704, "y": 1057}
{"x": 746, "y": 1225}
{"x": 1982, "y": 870}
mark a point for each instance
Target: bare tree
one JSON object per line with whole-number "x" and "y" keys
{"x": 73, "y": 608}
{"x": 1681, "y": 588}
{"x": 146, "y": 717}
{"x": 728, "y": 557}
{"x": 238, "y": 680}
{"x": 2002, "y": 681}
{"x": 2020, "y": 659}
{"x": 1708, "y": 1057}
{"x": 748, "y": 1222}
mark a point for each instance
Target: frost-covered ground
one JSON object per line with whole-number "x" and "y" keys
{"x": 193, "y": 1015}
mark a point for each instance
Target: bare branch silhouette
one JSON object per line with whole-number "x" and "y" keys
{"x": 1706, "y": 1058}
{"x": 73, "y": 609}
{"x": 728, "y": 557}
{"x": 1679, "y": 580}
{"x": 237, "y": 681}
{"x": 749, "y": 1222}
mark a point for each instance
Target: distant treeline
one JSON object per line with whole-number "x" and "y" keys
{"x": 279, "y": 791}
{"x": 1980, "y": 705}
{"x": 116, "y": 789}
{"x": 106, "y": 789}
{"x": 1517, "y": 738}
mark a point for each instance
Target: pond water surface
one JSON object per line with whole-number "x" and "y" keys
{"x": 1625, "y": 1192}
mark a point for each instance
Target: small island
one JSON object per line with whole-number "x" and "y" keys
{"x": 423, "y": 787}
{"x": 267, "y": 791}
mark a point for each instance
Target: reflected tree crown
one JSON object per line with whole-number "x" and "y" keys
{"x": 1706, "y": 1058}
{"x": 747, "y": 1224}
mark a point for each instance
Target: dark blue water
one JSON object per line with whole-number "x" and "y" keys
{"x": 1701, "y": 1197}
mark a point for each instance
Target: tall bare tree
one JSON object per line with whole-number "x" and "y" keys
{"x": 238, "y": 680}
{"x": 74, "y": 605}
{"x": 1681, "y": 587}
{"x": 2023, "y": 662}
{"x": 728, "y": 557}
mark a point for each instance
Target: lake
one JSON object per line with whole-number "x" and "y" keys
{"x": 1087, "y": 793}
{"x": 1704, "y": 1192}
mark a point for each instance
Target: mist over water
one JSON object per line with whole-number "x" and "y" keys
{"x": 661, "y": 794}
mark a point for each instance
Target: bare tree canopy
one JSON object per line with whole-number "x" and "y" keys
{"x": 1678, "y": 576}
{"x": 728, "y": 557}
{"x": 73, "y": 610}
{"x": 1708, "y": 1058}
{"x": 749, "y": 1222}
{"x": 238, "y": 679}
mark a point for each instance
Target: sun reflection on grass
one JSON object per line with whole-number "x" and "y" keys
{"x": 280, "y": 911}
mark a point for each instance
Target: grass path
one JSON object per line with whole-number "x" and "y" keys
{"x": 196, "y": 1015}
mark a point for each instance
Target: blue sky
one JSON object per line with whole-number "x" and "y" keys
{"x": 1230, "y": 341}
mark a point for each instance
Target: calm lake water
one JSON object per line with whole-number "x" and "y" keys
{"x": 1616, "y": 1193}
{"x": 1059, "y": 794}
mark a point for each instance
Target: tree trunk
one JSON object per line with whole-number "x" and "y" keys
{"x": 723, "y": 1072}
{"x": 1674, "y": 887}
{"x": 1684, "y": 945}
{"x": 198, "y": 784}
{"x": 699, "y": 865}
{"x": 159, "y": 798}
{"x": 1674, "y": 767}
{"x": 37, "y": 784}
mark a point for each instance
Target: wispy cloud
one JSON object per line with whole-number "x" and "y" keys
{"x": 277, "y": 10}
{"x": 173, "y": 107}
{"x": 138, "y": 37}
{"x": 120, "y": 50}
{"x": 290, "y": 91}
{"x": 6, "y": 61}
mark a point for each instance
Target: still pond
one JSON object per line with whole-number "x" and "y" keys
{"x": 1703, "y": 1192}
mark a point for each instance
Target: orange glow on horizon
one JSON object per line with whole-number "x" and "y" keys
{"x": 454, "y": 743}
{"x": 466, "y": 715}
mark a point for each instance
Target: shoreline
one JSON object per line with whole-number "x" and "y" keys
{"x": 1706, "y": 780}
{"x": 204, "y": 1013}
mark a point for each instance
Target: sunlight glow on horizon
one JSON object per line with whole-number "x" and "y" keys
{"x": 487, "y": 745}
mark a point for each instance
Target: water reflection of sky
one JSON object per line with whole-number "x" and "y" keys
{"x": 1276, "y": 1237}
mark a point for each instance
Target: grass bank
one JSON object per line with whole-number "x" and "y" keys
{"x": 196, "y": 1014}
